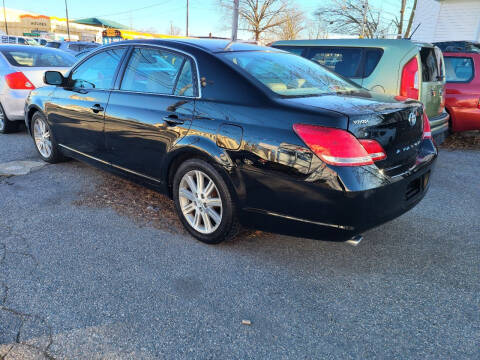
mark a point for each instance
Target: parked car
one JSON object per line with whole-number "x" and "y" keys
{"x": 395, "y": 67}
{"x": 41, "y": 41}
{"x": 463, "y": 90}
{"x": 458, "y": 46}
{"x": 72, "y": 46}
{"x": 83, "y": 53}
{"x": 235, "y": 133}
{"x": 20, "y": 40}
{"x": 21, "y": 70}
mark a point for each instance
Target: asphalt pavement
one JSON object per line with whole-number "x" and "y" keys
{"x": 78, "y": 282}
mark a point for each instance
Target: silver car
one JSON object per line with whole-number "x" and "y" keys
{"x": 21, "y": 70}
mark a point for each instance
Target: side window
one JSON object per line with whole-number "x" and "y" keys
{"x": 372, "y": 58}
{"x": 97, "y": 71}
{"x": 345, "y": 61}
{"x": 459, "y": 69}
{"x": 185, "y": 82}
{"x": 152, "y": 70}
{"x": 21, "y": 40}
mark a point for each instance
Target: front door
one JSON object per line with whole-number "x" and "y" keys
{"x": 151, "y": 109}
{"x": 78, "y": 115}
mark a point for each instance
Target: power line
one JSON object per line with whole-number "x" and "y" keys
{"x": 137, "y": 9}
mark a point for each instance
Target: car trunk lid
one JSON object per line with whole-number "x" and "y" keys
{"x": 397, "y": 126}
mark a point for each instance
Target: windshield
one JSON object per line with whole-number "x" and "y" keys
{"x": 38, "y": 57}
{"x": 290, "y": 75}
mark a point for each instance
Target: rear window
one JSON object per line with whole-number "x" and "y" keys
{"x": 351, "y": 62}
{"x": 432, "y": 67}
{"x": 38, "y": 58}
{"x": 459, "y": 69}
{"x": 289, "y": 75}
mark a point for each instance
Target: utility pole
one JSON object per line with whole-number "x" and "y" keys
{"x": 187, "y": 19}
{"x": 402, "y": 15}
{"x": 235, "y": 19}
{"x": 68, "y": 26}
{"x": 5, "y": 17}
{"x": 364, "y": 22}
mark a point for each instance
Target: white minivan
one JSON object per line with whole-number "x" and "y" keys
{"x": 18, "y": 40}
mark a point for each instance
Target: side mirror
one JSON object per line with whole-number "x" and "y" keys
{"x": 53, "y": 78}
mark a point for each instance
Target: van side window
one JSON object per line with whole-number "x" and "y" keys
{"x": 372, "y": 58}
{"x": 351, "y": 62}
{"x": 459, "y": 69}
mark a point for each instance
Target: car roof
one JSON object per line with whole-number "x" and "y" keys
{"x": 461, "y": 53}
{"x": 208, "y": 45}
{"x": 15, "y": 47}
{"x": 379, "y": 43}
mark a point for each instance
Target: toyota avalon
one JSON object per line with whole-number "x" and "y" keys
{"x": 235, "y": 132}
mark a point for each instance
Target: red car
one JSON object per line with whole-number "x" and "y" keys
{"x": 462, "y": 99}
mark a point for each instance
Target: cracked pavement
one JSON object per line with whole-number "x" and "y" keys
{"x": 88, "y": 283}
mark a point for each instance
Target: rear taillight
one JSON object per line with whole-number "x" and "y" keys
{"x": 18, "y": 81}
{"x": 339, "y": 147}
{"x": 409, "y": 82}
{"x": 427, "y": 133}
{"x": 374, "y": 149}
{"x": 478, "y": 105}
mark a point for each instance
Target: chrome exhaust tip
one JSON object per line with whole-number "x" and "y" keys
{"x": 354, "y": 241}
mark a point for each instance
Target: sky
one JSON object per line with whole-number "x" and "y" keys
{"x": 205, "y": 16}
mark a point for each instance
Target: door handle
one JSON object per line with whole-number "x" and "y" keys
{"x": 97, "y": 108}
{"x": 173, "y": 120}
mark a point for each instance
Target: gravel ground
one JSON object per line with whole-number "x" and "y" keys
{"x": 84, "y": 279}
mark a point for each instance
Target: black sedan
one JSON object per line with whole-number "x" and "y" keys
{"x": 238, "y": 134}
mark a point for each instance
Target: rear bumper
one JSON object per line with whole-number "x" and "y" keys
{"x": 316, "y": 211}
{"x": 439, "y": 126}
{"x": 13, "y": 103}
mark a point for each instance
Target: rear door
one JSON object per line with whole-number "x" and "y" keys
{"x": 150, "y": 109}
{"x": 433, "y": 81}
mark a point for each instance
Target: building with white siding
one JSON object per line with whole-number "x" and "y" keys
{"x": 447, "y": 20}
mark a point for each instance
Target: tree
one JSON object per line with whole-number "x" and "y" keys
{"x": 173, "y": 30}
{"x": 399, "y": 21}
{"x": 316, "y": 28}
{"x": 259, "y": 16}
{"x": 353, "y": 17}
{"x": 293, "y": 24}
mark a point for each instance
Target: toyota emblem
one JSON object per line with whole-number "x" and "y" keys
{"x": 412, "y": 118}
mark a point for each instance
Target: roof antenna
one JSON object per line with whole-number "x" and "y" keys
{"x": 414, "y": 31}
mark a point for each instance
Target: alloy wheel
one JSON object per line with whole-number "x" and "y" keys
{"x": 200, "y": 201}
{"x": 41, "y": 134}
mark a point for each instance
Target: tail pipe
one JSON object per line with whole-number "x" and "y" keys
{"x": 354, "y": 241}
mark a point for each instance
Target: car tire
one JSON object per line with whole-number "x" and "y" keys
{"x": 7, "y": 126}
{"x": 44, "y": 141}
{"x": 209, "y": 214}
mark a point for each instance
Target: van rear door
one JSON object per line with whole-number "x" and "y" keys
{"x": 433, "y": 81}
